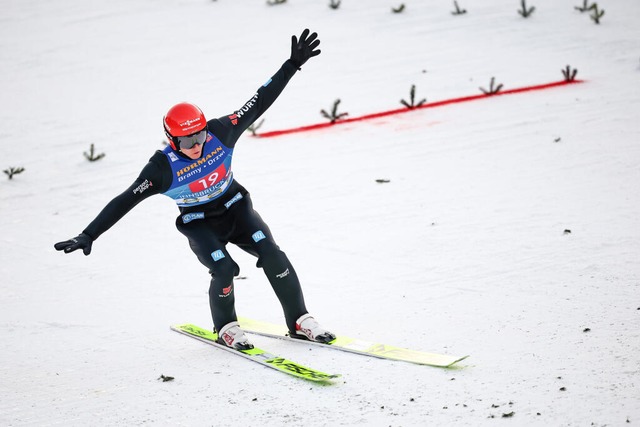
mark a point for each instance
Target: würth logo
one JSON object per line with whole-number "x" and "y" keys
{"x": 246, "y": 107}
{"x": 234, "y": 119}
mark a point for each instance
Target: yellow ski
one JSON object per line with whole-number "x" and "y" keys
{"x": 367, "y": 348}
{"x": 256, "y": 355}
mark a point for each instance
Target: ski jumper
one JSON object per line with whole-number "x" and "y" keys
{"x": 215, "y": 209}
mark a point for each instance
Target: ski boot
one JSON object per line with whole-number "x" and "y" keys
{"x": 308, "y": 328}
{"x": 232, "y": 336}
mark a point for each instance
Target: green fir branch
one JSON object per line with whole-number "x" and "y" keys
{"x": 585, "y": 6}
{"x": 569, "y": 74}
{"x": 526, "y": 12}
{"x": 91, "y": 155}
{"x": 492, "y": 88}
{"x": 412, "y": 99}
{"x": 334, "y": 4}
{"x": 398, "y": 9}
{"x": 254, "y": 127}
{"x": 13, "y": 171}
{"x": 458, "y": 11}
{"x": 334, "y": 116}
{"x": 597, "y": 14}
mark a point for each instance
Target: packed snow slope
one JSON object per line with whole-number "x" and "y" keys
{"x": 509, "y": 227}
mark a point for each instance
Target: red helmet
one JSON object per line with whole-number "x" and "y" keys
{"x": 181, "y": 120}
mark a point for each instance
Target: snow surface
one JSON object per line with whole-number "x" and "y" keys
{"x": 464, "y": 251}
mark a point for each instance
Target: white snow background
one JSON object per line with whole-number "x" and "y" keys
{"x": 463, "y": 251}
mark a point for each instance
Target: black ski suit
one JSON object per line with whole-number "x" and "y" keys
{"x": 215, "y": 209}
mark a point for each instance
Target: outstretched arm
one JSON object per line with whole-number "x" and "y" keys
{"x": 235, "y": 124}
{"x": 112, "y": 213}
{"x": 148, "y": 183}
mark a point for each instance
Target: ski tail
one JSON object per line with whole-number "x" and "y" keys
{"x": 358, "y": 346}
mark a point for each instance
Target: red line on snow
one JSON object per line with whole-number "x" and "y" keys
{"x": 406, "y": 110}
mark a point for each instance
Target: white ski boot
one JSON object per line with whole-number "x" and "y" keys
{"x": 308, "y": 328}
{"x": 232, "y": 336}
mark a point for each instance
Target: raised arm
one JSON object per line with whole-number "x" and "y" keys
{"x": 235, "y": 124}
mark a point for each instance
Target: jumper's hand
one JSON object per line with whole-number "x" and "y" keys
{"x": 305, "y": 48}
{"x": 82, "y": 241}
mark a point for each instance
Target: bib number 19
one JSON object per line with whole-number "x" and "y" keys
{"x": 206, "y": 182}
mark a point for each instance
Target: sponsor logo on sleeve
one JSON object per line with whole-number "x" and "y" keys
{"x": 234, "y": 119}
{"x": 142, "y": 187}
{"x": 246, "y": 107}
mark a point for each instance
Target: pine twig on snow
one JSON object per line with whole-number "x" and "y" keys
{"x": 13, "y": 171}
{"x": 334, "y": 116}
{"x": 254, "y": 127}
{"x": 569, "y": 74}
{"x": 411, "y": 104}
{"x": 492, "y": 90}
{"x": 458, "y": 11}
{"x": 526, "y": 12}
{"x": 597, "y": 14}
{"x": 585, "y": 6}
{"x": 91, "y": 156}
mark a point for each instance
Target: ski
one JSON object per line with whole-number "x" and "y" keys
{"x": 257, "y": 355}
{"x": 367, "y": 348}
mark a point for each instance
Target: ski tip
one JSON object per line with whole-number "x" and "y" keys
{"x": 454, "y": 363}
{"x": 330, "y": 378}
{"x": 323, "y": 378}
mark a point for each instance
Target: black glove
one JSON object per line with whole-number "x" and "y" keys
{"x": 305, "y": 48}
{"x": 83, "y": 241}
